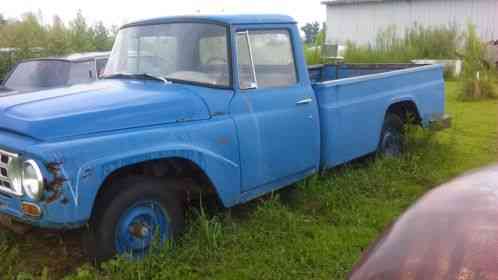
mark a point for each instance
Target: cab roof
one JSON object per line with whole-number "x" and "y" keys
{"x": 220, "y": 19}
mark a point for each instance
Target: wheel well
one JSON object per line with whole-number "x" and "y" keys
{"x": 195, "y": 180}
{"x": 407, "y": 111}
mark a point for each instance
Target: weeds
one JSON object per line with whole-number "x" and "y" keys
{"x": 313, "y": 53}
{"x": 418, "y": 42}
{"x": 206, "y": 232}
{"x": 479, "y": 78}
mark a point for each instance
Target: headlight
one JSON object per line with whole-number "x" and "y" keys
{"x": 32, "y": 180}
{"x": 14, "y": 173}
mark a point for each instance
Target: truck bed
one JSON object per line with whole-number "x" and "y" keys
{"x": 353, "y": 101}
{"x": 332, "y": 72}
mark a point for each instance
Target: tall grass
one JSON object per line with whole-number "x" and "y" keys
{"x": 418, "y": 42}
{"x": 9, "y": 256}
{"x": 313, "y": 52}
{"x": 479, "y": 78}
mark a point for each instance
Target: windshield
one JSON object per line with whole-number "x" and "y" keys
{"x": 189, "y": 52}
{"x": 38, "y": 74}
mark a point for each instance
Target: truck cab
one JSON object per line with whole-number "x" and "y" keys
{"x": 221, "y": 105}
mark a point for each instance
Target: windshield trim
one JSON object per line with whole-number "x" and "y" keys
{"x": 229, "y": 34}
{"x": 194, "y": 83}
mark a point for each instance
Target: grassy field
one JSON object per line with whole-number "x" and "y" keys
{"x": 315, "y": 230}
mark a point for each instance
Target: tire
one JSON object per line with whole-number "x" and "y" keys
{"x": 131, "y": 215}
{"x": 391, "y": 142}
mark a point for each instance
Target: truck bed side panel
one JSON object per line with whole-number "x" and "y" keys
{"x": 352, "y": 110}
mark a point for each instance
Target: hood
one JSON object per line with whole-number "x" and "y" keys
{"x": 99, "y": 107}
{"x": 4, "y": 91}
{"x": 451, "y": 231}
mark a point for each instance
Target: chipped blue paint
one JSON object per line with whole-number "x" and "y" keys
{"x": 248, "y": 143}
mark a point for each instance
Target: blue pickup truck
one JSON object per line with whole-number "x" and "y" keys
{"x": 221, "y": 105}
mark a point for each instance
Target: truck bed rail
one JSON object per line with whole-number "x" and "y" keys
{"x": 328, "y": 72}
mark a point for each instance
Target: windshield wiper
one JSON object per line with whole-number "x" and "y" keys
{"x": 143, "y": 76}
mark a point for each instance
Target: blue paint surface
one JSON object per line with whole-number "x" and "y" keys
{"x": 352, "y": 108}
{"x": 247, "y": 142}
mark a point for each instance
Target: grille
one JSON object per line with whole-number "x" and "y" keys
{"x": 8, "y": 170}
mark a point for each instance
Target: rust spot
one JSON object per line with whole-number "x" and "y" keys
{"x": 53, "y": 167}
{"x": 57, "y": 183}
{"x": 53, "y": 197}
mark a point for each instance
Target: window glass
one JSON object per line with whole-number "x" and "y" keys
{"x": 246, "y": 79}
{"x": 212, "y": 50}
{"x": 37, "y": 74}
{"x": 189, "y": 52}
{"x": 154, "y": 55}
{"x": 81, "y": 72}
{"x": 273, "y": 58}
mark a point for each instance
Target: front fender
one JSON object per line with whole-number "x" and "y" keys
{"x": 216, "y": 167}
{"x": 87, "y": 162}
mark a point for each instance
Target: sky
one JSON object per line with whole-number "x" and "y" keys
{"x": 113, "y": 12}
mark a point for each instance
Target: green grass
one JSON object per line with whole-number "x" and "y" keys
{"x": 315, "y": 230}
{"x": 418, "y": 42}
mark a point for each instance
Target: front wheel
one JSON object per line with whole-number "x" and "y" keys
{"x": 132, "y": 215}
{"x": 392, "y": 137}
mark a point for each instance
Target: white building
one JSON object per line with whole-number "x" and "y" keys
{"x": 360, "y": 21}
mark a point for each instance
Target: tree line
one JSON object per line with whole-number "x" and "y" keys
{"x": 30, "y": 37}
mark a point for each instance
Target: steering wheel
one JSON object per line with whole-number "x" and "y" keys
{"x": 213, "y": 59}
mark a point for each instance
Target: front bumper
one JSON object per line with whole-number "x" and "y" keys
{"x": 440, "y": 123}
{"x": 11, "y": 213}
{"x": 10, "y": 209}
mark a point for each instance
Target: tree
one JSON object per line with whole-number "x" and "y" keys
{"x": 28, "y": 37}
{"x": 58, "y": 38}
{"x": 81, "y": 36}
{"x": 101, "y": 38}
{"x": 311, "y": 30}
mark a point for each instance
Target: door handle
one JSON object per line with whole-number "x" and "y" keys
{"x": 304, "y": 101}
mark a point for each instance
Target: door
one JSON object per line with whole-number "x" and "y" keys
{"x": 276, "y": 115}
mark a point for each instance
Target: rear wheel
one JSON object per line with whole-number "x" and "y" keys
{"x": 392, "y": 137}
{"x": 132, "y": 215}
